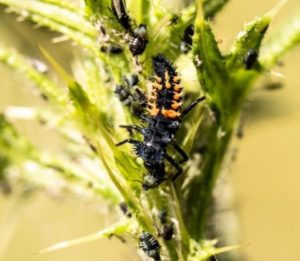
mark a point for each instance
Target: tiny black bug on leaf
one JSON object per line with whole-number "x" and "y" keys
{"x": 167, "y": 229}
{"x": 119, "y": 11}
{"x": 112, "y": 49}
{"x": 124, "y": 208}
{"x": 138, "y": 40}
{"x": 187, "y": 39}
{"x": 250, "y": 59}
{"x": 149, "y": 245}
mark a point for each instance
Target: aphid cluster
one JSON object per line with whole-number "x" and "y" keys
{"x": 130, "y": 94}
{"x": 149, "y": 245}
{"x": 163, "y": 120}
{"x": 106, "y": 45}
{"x": 137, "y": 37}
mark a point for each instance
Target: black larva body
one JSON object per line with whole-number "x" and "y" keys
{"x": 149, "y": 245}
{"x": 163, "y": 121}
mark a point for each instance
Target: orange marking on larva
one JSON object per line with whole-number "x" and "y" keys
{"x": 167, "y": 76}
{"x": 170, "y": 114}
{"x": 176, "y": 79}
{"x": 168, "y": 85}
{"x": 176, "y": 105}
{"x": 158, "y": 79}
{"x": 177, "y": 88}
{"x": 154, "y": 111}
{"x": 177, "y": 96}
{"x": 158, "y": 86}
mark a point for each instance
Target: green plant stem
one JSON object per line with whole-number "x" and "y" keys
{"x": 202, "y": 186}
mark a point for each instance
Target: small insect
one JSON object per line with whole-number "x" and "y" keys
{"x": 149, "y": 245}
{"x": 250, "y": 59}
{"x": 111, "y": 49}
{"x": 167, "y": 229}
{"x": 187, "y": 39}
{"x": 119, "y": 11}
{"x": 124, "y": 208}
{"x": 137, "y": 39}
{"x": 174, "y": 19}
{"x": 163, "y": 121}
{"x": 130, "y": 94}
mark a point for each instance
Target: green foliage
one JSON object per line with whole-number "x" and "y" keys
{"x": 86, "y": 113}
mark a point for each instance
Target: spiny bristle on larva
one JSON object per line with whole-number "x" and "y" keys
{"x": 176, "y": 79}
{"x": 171, "y": 114}
{"x": 176, "y": 105}
{"x": 153, "y": 111}
{"x": 177, "y": 96}
{"x": 168, "y": 85}
{"x": 177, "y": 88}
{"x": 161, "y": 65}
{"x": 158, "y": 86}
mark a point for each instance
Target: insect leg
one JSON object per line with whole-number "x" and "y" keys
{"x": 132, "y": 141}
{"x": 132, "y": 127}
{"x": 184, "y": 156}
{"x": 176, "y": 165}
{"x": 191, "y": 106}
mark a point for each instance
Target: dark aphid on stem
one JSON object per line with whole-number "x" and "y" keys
{"x": 124, "y": 208}
{"x": 162, "y": 216}
{"x": 187, "y": 39}
{"x": 119, "y": 11}
{"x": 131, "y": 95}
{"x": 163, "y": 121}
{"x": 166, "y": 230}
{"x": 149, "y": 245}
{"x": 111, "y": 49}
{"x": 250, "y": 59}
{"x": 137, "y": 39}
{"x": 174, "y": 19}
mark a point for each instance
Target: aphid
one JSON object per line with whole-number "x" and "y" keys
{"x": 124, "y": 208}
{"x": 162, "y": 216}
{"x": 149, "y": 245}
{"x": 130, "y": 95}
{"x": 119, "y": 11}
{"x": 167, "y": 229}
{"x": 163, "y": 121}
{"x": 187, "y": 39}
{"x": 250, "y": 58}
{"x": 137, "y": 39}
{"x": 111, "y": 49}
{"x": 174, "y": 19}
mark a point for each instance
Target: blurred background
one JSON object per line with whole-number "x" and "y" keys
{"x": 264, "y": 175}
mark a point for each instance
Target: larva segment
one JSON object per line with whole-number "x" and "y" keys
{"x": 166, "y": 89}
